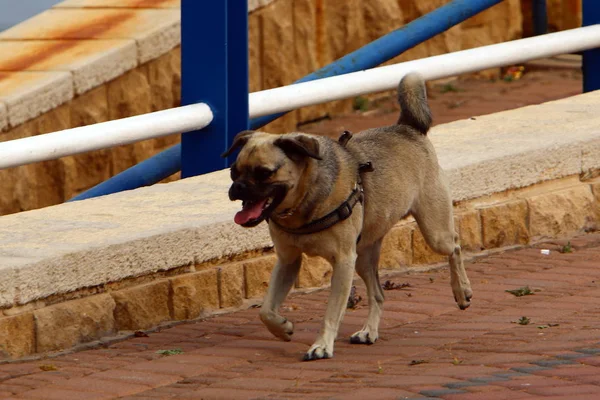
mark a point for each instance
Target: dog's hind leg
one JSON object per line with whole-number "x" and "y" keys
{"x": 367, "y": 265}
{"x": 433, "y": 212}
{"x": 282, "y": 278}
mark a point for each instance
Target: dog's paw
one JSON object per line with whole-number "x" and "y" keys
{"x": 317, "y": 352}
{"x": 463, "y": 297}
{"x": 363, "y": 337}
{"x": 283, "y": 331}
{"x": 279, "y": 326}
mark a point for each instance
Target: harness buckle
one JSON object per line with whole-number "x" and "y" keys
{"x": 345, "y": 211}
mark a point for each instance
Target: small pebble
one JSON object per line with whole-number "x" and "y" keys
{"x": 545, "y": 252}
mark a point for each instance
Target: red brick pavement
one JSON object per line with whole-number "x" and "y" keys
{"x": 480, "y": 353}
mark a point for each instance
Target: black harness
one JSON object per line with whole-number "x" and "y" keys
{"x": 344, "y": 211}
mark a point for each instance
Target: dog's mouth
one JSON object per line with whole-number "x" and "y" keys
{"x": 255, "y": 211}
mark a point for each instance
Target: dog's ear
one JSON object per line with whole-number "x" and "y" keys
{"x": 238, "y": 142}
{"x": 299, "y": 146}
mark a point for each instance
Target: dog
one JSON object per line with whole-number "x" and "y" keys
{"x": 337, "y": 200}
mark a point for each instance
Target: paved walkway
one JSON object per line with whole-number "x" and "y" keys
{"x": 428, "y": 348}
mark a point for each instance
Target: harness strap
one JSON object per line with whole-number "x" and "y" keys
{"x": 362, "y": 168}
{"x": 343, "y": 212}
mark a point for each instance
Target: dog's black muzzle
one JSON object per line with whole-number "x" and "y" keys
{"x": 245, "y": 191}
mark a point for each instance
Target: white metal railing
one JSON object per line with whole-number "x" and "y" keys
{"x": 103, "y": 135}
{"x": 188, "y": 118}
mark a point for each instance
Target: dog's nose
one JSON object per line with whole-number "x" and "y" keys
{"x": 237, "y": 190}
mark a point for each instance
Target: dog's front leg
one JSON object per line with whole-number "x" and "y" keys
{"x": 282, "y": 278}
{"x": 341, "y": 283}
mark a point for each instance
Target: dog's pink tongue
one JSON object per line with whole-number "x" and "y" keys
{"x": 250, "y": 211}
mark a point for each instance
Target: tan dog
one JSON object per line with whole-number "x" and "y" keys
{"x": 309, "y": 188}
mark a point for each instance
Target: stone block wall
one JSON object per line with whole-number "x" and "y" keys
{"x": 514, "y": 218}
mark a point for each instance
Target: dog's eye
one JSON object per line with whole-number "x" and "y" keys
{"x": 262, "y": 174}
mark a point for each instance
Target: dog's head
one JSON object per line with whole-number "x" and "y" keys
{"x": 267, "y": 172}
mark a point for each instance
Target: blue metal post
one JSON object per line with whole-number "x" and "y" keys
{"x": 540, "y": 17}
{"x": 591, "y": 58}
{"x": 214, "y": 70}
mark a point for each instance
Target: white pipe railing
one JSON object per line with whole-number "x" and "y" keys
{"x": 193, "y": 117}
{"x": 103, "y": 135}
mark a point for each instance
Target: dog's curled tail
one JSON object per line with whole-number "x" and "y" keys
{"x": 414, "y": 109}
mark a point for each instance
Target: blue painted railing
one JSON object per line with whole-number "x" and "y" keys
{"x": 223, "y": 83}
{"x": 540, "y": 17}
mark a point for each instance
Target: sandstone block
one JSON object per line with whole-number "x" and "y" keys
{"x": 278, "y": 44}
{"x": 410, "y": 11}
{"x": 28, "y": 94}
{"x": 22, "y": 309}
{"x": 142, "y": 307}
{"x": 308, "y": 49}
{"x": 41, "y": 184}
{"x": 17, "y": 336}
{"x": 344, "y": 26}
{"x": 499, "y": 23}
{"x": 278, "y": 69}
{"x": 155, "y": 31}
{"x": 195, "y": 294}
{"x": 10, "y": 201}
{"x": 284, "y": 124}
{"x": 443, "y": 43}
{"x": 64, "y": 325}
{"x": 476, "y": 36}
{"x": 505, "y": 224}
{"x": 129, "y": 95}
{"x": 560, "y": 213}
{"x": 9, "y": 292}
{"x": 469, "y": 228}
{"x": 254, "y": 52}
{"x": 164, "y": 78}
{"x": 91, "y": 62}
{"x": 564, "y": 14}
{"x": 83, "y": 171}
{"x": 343, "y": 32}
{"x": 254, "y": 5}
{"x": 257, "y": 272}
{"x": 165, "y": 36}
{"x": 396, "y": 249}
{"x": 314, "y": 272}
{"x": 231, "y": 281}
{"x": 381, "y": 17}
